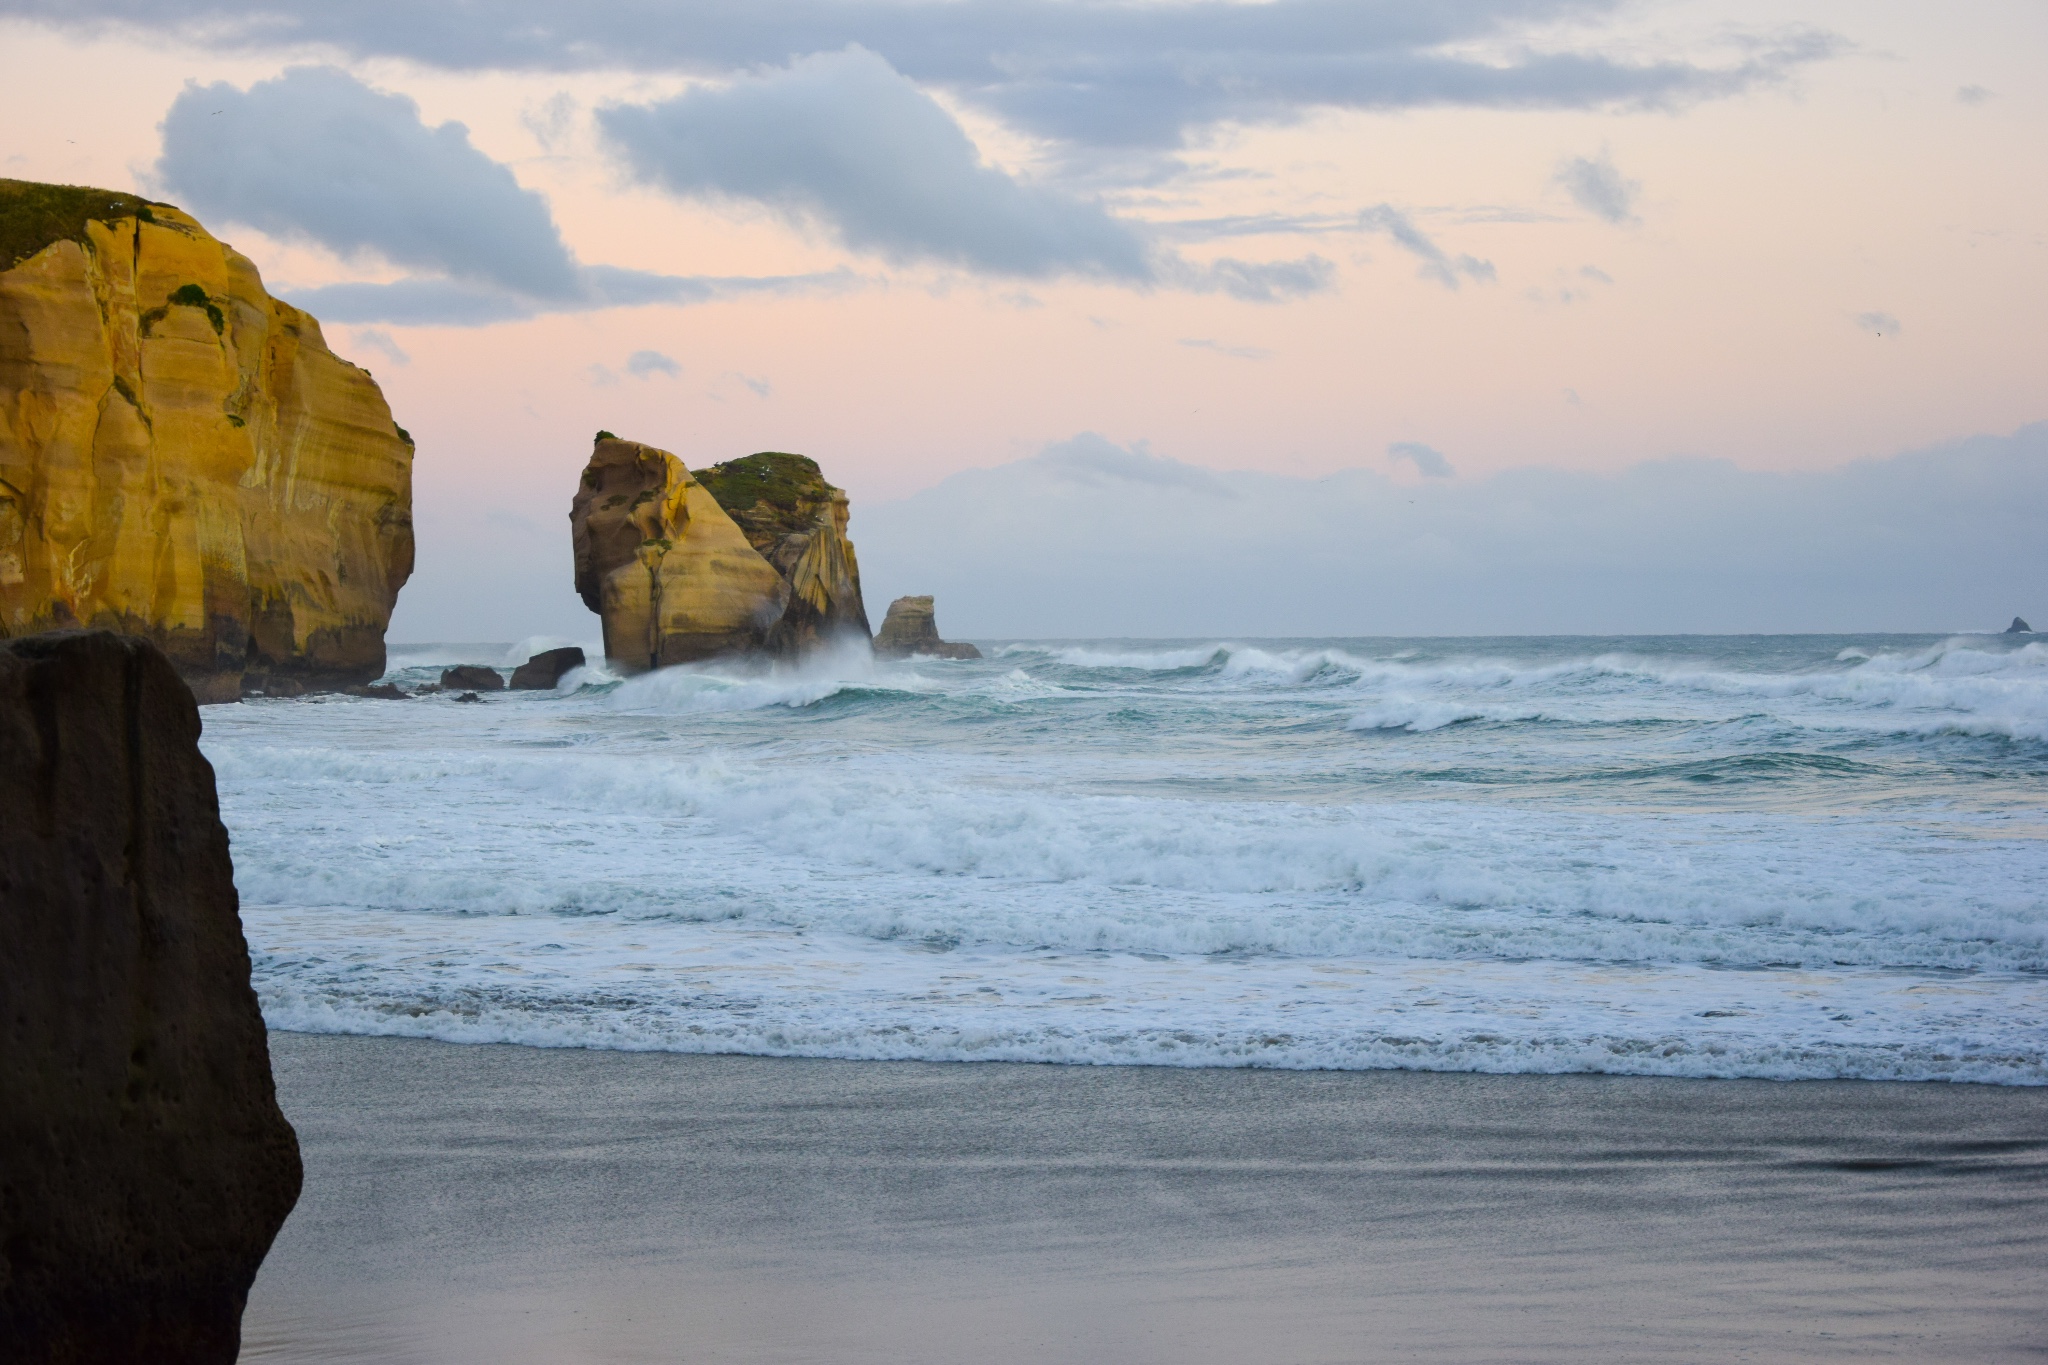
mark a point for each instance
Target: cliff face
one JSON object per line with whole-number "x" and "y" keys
{"x": 797, "y": 522}
{"x": 181, "y": 456}
{"x": 144, "y": 1164}
{"x": 658, "y": 559}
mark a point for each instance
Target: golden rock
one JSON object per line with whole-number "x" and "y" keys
{"x": 181, "y": 456}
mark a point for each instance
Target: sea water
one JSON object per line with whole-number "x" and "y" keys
{"x": 1779, "y": 857}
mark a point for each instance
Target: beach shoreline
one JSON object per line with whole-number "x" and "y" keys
{"x": 510, "y": 1204}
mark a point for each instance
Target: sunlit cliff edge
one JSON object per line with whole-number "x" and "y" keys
{"x": 182, "y": 457}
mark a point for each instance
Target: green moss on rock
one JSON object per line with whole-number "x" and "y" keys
{"x": 33, "y": 215}
{"x": 772, "y": 492}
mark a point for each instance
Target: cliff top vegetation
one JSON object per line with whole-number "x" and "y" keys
{"x": 772, "y": 491}
{"x": 33, "y": 215}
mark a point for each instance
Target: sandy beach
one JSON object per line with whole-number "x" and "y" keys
{"x": 506, "y": 1204}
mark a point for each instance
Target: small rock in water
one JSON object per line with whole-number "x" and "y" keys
{"x": 543, "y": 671}
{"x": 469, "y": 696}
{"x": 912, "y": 628}
{"x": 2019, "y": 626}
{"x": 381, "y": 691}
{"x": 472, "y": 678}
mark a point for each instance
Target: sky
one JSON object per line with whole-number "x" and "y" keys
{"x": 1156, "y": 319}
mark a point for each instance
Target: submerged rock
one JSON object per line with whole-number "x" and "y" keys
{"x": 670, "y": 574}
{"x": 543, "y": 671}
{"x": 471, "y": 678}
{"x": 2019, "y": 626}
{"x": 181, "y": 456}
{"x": 381, "y": 691}
{"x": 912, "y": 628}
{"x": 797, "y": 522}
{"x": 144, "y": 1164}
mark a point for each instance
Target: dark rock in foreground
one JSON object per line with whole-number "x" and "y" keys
{"x": 471, "y": 678}
{"x": 144, "y": 1163}
{"x": 912, "y": 628}
{"x": 543, "y": 671}
{"x": 2019, "y": 626}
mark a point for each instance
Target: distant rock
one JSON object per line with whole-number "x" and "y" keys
{"x": 144, "y": 1164}
{"x": 471, "y": 678}
{"x": 469, "y": 696}
{"x": 911, "y": 628}
{"x": 2019, "y": 626}
{"x": 183, "y": 458}
{"x": 543, "y": 671}
{"x": 797, "y": 522}
{"x": 381, "y": 691}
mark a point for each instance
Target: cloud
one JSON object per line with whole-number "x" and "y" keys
{"x": 843, "y": 141}
{"x": 1437, "y": 264}
{"x": 1930, "y": 540}
{"x": 315, "y": 155}
{"x": 1973, "y": 94}
{"x": 1596, "y": 186}
{"x": 1235, "y": 352}
{"x": 1093, "y": 75}
{"x": 1878, "y": 324}
{"x": 381, "y": 342}
{"x": 644, "y": 364}
{"x": 419, "y": 302}
{"x": 1429, "y": 462}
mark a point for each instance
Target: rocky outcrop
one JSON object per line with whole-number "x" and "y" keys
{"x": 181, "y": 456}
{"x": 471, "y": 678}
{"x": 545, "y": 670}
{"x": 912, "y": 628}
{"x": 2019, "y": 626}
{"x": 657, "y": 558}
{"x": 797, "y": 522}
{"x": 144, "y": 1163}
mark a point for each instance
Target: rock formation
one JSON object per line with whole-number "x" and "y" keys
{"x": 182, "y": 457}
{"x": 545, "y": 670}
{"x": 471, "y": 678}
{"x": 797, "y": 522}
{"x": 658, "y": 559}
{"x": 144, "y": 1164}
{"x": 2019, "y": 626}
{"x": 912, "y": 628}
{"x": 747, "y": 557}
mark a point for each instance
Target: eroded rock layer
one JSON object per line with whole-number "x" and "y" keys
{"x": 144, "y": 1164}
{"x": 797, "y": 522}
{"x": 181, "y": 456}
{"x": 670, "y": 574}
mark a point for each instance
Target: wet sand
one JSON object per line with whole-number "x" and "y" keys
{"x": 514, "y": 1205}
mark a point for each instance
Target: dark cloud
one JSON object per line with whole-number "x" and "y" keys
{"x": 1596, "y": 186}
{"x": 1973, "y": 94}
{"x": 1428, "y": 461}
{"x": 1437, "y": 264}
{"x": 1101, "y": 75}
{"x": 315, "y": 155}
{"x": 1932, "y": 540}
{"x": 843, "y": 141}
{"x": 456, "y": 303}
{"x": 1878, "y": 324}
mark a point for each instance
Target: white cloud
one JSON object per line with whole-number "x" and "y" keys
{"x": 1598, "y": 186}
{"x": 1428, "y": 461}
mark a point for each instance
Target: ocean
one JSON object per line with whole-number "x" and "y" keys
{"x": 1779, "y": 857}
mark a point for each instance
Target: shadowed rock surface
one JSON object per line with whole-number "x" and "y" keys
{"x": 472, "y": 678}
{"x": 911, "y": 628}
{"x": 181, "y": 456}
{"x": 2019, "y": 626}
{"x": 797, "y": 522}
{"x": 144, "y": 1164}
{"x": 543, "y": 671}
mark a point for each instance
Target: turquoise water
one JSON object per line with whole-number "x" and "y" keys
{"x": 1710, "y": 856}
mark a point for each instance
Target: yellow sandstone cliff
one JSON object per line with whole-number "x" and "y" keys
{"x": 181, "y": 456}
{"x": 745, "y": 558}
{"x": 658, "y": 559}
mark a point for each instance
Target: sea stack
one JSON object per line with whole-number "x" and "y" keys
{"x": 181, "y": 456}
{"x": 912, "y": 628}
{"x": 144, "y": 1164}
{"x": 751, "y": 559}
{"x": 2019, "y": 626}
